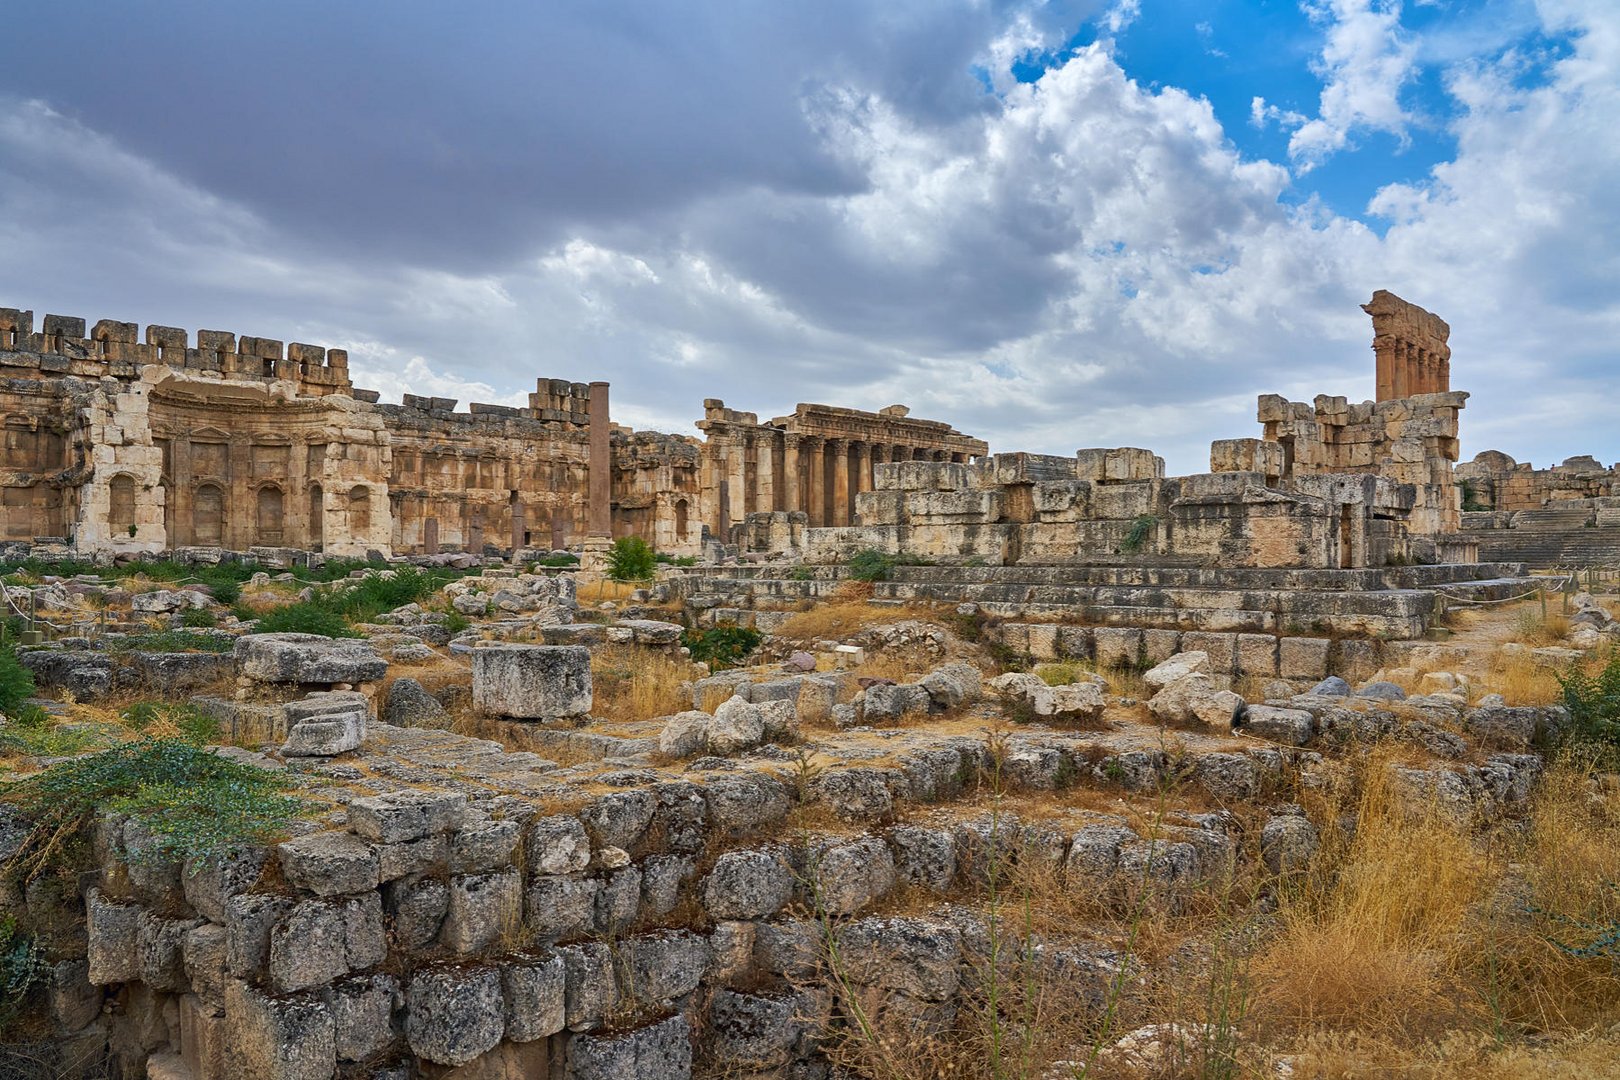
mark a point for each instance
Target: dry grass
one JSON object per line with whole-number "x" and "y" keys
{"x": 1534, "y": 630}
{"x": 592, "y": 591}
{"x": 839, "y": 618}
{"x": 637, "y": 684}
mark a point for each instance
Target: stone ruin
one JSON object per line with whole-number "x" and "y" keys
{"x": 498, "y": 879}
{"x": 118, "y": 447}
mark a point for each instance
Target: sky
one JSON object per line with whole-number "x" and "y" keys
{"x": 1054, "y": 225}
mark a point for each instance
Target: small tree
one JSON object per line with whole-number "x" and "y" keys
{"x": 631, "y": 559}
{"x": 16, "y": 683}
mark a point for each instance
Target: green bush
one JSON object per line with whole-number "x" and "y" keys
{"x": 1140, "y": 532}
{"x": 174, "y": 641}
{"x": 631, "y": 559}
{"x": 722, "y": 646}
{"x": 199, "y": 619}
{"x": 676, "y": 560}
{"x": 16, "y": 683}
{"x": 193, "y": 802}
{"x": 304, "y": 618}
{"x": 871, "y": 564}
{"x": 23, "y": 967}
{"x": 1593, "y": 702}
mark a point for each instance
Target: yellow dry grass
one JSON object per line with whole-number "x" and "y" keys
{"x": 839, "y": 618}
{"x": 637, "y": 684}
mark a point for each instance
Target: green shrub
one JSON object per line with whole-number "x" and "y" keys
{"x": 675, "y": 560}
{"x": 16, "y": 683}
{"x": 192, "y": 801}
{"x": 1593, "y": 702}
{"x": 456, "y": 622}
{"x": 23, "y": 967}
{"x": 304, "y": 618}
{"x": 722, "y": 646}
{"x": 1140, "y": 532}
{"x": 374, "y": 594}
{"x": 199, "y": 619}
{"x": 226, "y": 590}
{"x": 557, "y": 562}
{"x": 174, "y": 641}
{"x": 870, "y": 564}
{"x": 631, "y": 559}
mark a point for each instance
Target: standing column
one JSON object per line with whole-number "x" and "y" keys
{"x": 1384, "y": 354}
{"x": 818, "y": 483}
{"x": 599, "y": 477}
{"x": 880, "y": 454}
{"x": 765, "y": 473}
{"x": 840, "y": 485}
{"x": 737, "y": 480}
{"x": 790, "y": 473}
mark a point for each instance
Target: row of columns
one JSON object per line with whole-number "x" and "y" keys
{"x": 1405, "y": 369}
{"x": 818, "y": 475}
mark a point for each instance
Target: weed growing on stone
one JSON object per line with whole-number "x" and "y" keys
{"x": 191, "y": 801}
{"x": 721, "y": 646}
{"x": 16, "y": 683}
{"x": 631, "y": 559}
{"x": 23, "y": 967}
{"x": 305, "y": 618}
{"x": 1593, "y": 702}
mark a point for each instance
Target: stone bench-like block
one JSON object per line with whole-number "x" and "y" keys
{"x": 308, "y": 658}
{"x": 532, "y": 682}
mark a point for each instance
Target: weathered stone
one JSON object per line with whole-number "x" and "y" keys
{"x": 158, "y": 948}
{"x": 1287, "y": 843}
{"x": 665, "y": 965}
{"x": 362, "y": 1016}
{"x": 482, "y": 908}
{"x": 755, "y": 1031}
{"x": 660, "y": 1051}
{"x": 684, "y": 734}
{"x": 1291, "y": 727}
{"x": 278, "y": 1038}
{"x": 737, "y": 725}
{"x": 418, "y": 909}
{"x": 619, "y": 818}
{"x": 249, "y": 919}
{"x": 892, "y": 703}
{"x": 308, "y": 658}
{"x": 845, "y": 877}
{"x": 204, "y": 953}
{"x": 532, "y": 682}
{"x": 396, "y": 817}
{"x": 557, "y": 845}
{"x": 557, "y": 906}
{"x": 742, "y": 804}
{"x": 329, "y": 863}
{"x": 747, "y": 885}
{"x": 210, "y": 883}
{"x": 483, "y": 845}
{"x": 924, "y": 857}
{"x": 1182, "y": 664}
{"x": 535, "y": 989}
{"x": 454, "y": 1014}
{"x": 112, "y": 941}
{"x": 590, "y": 989}
{"x": 409, "y": 705}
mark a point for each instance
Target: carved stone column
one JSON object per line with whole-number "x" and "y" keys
{"x": 817, "y": 505}
{"x": 841, "y": 467}
{"x": 599, "y": 535}
{"x": 791, "y": 499}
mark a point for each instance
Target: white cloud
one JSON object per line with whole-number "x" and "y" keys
{"x": 1365, "y": 63}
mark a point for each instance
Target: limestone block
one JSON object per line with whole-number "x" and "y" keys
{"x": 1076, "y": 643}
{"x": 684, "y": 734}
{"x": 666, "y": 965}
{"x": 920, "y": 476}
{"x": 1256, "y": 654}
{"x": 362, "y": 1016}
{"x": 1303, "y": 658}
{"x": 307, "y": 658}
{"x": 534, "y": 989}
{"x": 891, "y": 703}
{"x": 453, "y": 1015}
{"x": 559, "y": 906}
{"x": 1195, "y": 698}
{"x": 747, "y": 803}
{"x": 1287, "y": 843}
{"x": 1118, "y": 647}
{"x": 1176, "y": 667}
{"x": 532, "y": 682}
{"x": 395, "y": 817}
{"x": 1291, "y": 727}
{"x": 1125, "y": 501}
{"x": 482, "y": 908}
{"x": 1160, "y": 645}
{"x": 249, "y": 919}
{"x": 285, "y": 1038}
{"x": 204, "y": 954}
{"x": 590, "y": 987}
{"x": 112, "y": 939}
{"x": 418, "y": 908}
{"x": 845, "y": 877}
{"x": 159, "y": 949}
{"x": 202, "y": 1038}
{"x": 557, "y": 845}
{"x": 914, "y": 957}
{"x": 1043, "y": 641}
{"x": 755, "y": 1031}
{"x": 618, "y": 896}
{"x": 483, "y": 846}
{"x": 412, "y": 857}
{"x": 661, "y": 1051}
{"x": 307, "y": 949}
{"x": 329, "y": 863}
{"x": 747, "y": 885}
{"x": 1094, "y": 852}
{"x": 924, "y": 857}
{"x": 737, "y": 725}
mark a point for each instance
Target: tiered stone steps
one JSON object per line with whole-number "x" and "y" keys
{"x": 1389, "y": 602}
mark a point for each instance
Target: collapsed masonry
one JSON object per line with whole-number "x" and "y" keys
{"x": 1566, "y": 516}
{"x": 126, "y": 447}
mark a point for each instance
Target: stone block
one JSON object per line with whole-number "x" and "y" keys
{"x": 202, "y": 1038}
{"x": 482, "y": 908}
{"x": 453, "y": 1015}
{"x": 204, "y": 954}
{"x": 418, "y": 908}
{"x": 210, "y": 883}
{"x": 892, "y": 703}
{"x": 158, "y": 947}
{"x": 1291, "y": 727}
{"x": 557, "y": 845}
{"x": 748, "y": 885}
{"x": 286, "y": 1038}
{"x": 362, "y": 1016}
{"x": 249, "y": 919}
{"x": 533, "y": 682}
{"x": 1257, "y": 655}
{"x": 113, "y": 929}
{"x": 557, "y": 906}
{"x": 1220, "y": 648}
{"x": 658, "y": 1051}
{"x": 483, "y": 846}
{"x": 1303, "y": 658}
{"x": 1118, "y": 647}
{"x": 535, "y": 992}
{"x": 395, "y": 817}
{"x": 590, "y": 988}
{"x": 308, "y": 659}
{"x": 330, "y": 863}
{"x": 412, "y": 857}
{"x": 845, "y": 877}
{"x": 308, "y": 948}
{"x": 924, "y": 857}
{"x": 665, "y": 965}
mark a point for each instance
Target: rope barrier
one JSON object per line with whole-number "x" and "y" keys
{"x": 1504, "y": 600}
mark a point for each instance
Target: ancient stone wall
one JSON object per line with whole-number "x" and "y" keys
{"x": 1497, "y": 482}
{"x": 1410, "y": 343}
{"x": 125, "y": 447}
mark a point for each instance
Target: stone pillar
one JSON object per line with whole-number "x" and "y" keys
{"x": 817, "y": 507}
{"x": 737, "y": 480}
{"x": 599, "y": 475}
{"x": 790, "y": 473}
{"x": 840, "y": 481}
{"x": 764, "y": 494}
{"x": 1386, "y": 359}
